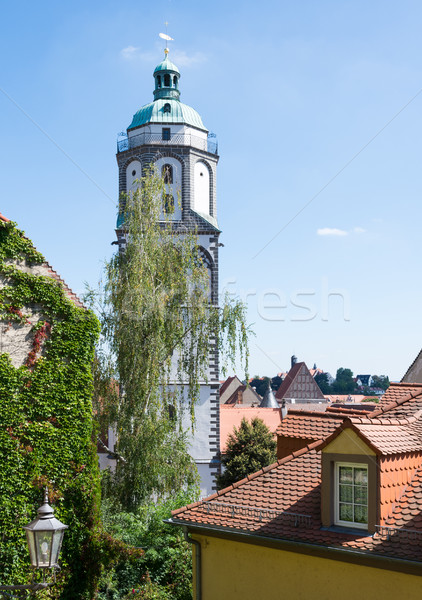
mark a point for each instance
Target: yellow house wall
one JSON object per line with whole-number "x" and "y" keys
{"x": 238, "y": 571}
{"x": 348, "y": 442}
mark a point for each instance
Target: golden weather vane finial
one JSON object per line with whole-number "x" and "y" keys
{"x": 165, "y": 36}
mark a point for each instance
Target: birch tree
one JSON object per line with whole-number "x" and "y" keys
{"x": 157, "y": 323}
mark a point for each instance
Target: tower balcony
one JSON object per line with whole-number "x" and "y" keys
{"x": 125, "y": 142}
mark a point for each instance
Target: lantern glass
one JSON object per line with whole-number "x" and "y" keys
{"x": 43, "y": 544}
{"x": 31, "y": 546}
{"x": 57, "y": 543}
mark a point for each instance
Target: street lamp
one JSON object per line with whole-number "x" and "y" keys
{"x": 44, "y": 536}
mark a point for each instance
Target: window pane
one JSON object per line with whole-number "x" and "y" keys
{"x": 346, "y": 493}
{"x": 361, "y": 495}
{"x": 346, "y": 512}
{"x": 346, "y": 474}
{"x": 361, "y": 514}
{"x": 361, "y": 476}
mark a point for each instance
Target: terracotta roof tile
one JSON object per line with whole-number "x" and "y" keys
{"x": 309, "y": 425}
{"x": 400, "y": 400}
{"x": 231, "y": 416}
{"x": 284, "y": 503}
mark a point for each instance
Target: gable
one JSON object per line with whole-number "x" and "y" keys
{"x": 299, "y": 385}
{"x": 348, "y": 442}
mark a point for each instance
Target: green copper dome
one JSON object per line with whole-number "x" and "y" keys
{"x": 166, "y": 108}
{"x": 166, "y": 65}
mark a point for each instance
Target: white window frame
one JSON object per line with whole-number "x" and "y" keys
{"x": 337, "y": 520}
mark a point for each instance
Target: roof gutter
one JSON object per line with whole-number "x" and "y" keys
{"x": 334, "y": 553}
{"x": 198, "y": 569}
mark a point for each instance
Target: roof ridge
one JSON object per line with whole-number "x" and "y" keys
{"x": 384, "y": 422}
{"x": 404, "y": 384}
{"x": 312, "y": 413}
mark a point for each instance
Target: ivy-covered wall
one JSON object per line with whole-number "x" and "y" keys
{"x": 47, "y": 344}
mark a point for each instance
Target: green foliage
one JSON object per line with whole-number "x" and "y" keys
{"x": 158, "y": 322}
{"x": 249, "y": 449}
{"x": 321, "y": 379}
{"x": 381, "y": 381}
{"x": 46, "y": 421}
{"x": 165, "y": 569}
{"x": 261, "y": 383}
{"x": 344, "y": 382}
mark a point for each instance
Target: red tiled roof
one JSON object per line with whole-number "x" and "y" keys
{"x": 5, "y": 219}
{"x": 283, "y": 501}
{"x": 231, "y": 416}
{"x": 287, "y": 381}
{"x": 407, "y": 513}
{"x": 226, "y": 384}
{"x": 309, "y": 425}
{"x": 400, "y": 400}
{"x": 391, "y": 437}
{"x": 383, "y": 436}
{"x": 398, "y": 391}
{"x": 300, "y": 383}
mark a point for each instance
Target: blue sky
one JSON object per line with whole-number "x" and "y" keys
{"x": 318, "y": 119}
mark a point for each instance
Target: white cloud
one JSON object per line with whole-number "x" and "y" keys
{"x": 134, "y": 53}
{"x": 359, "y": 230}
{"x": 181, "y": 59}
{"x": 331, "y": 231}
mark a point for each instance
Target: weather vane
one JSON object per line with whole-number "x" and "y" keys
{"x": 165, "y": 36}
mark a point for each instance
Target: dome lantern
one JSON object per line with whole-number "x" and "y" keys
{"x": 166, "y": 76}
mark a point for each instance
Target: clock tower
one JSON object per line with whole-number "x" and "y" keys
{"x": 172, "y": 136}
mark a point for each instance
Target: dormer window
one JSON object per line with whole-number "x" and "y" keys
{"x": 167, "y": 107}
{"x": 351, "y": 488}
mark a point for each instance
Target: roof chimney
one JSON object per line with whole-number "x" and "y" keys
{"x": 293, "y": 360}
{"x": 283, "y": 409}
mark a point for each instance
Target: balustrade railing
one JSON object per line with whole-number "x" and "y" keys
{"x": 183, "y": 139}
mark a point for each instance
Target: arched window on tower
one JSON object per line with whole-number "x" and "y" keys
{"x": 159, "y": 81}
{"x": 168, "y": 204}
{"x": 175, "y": 81}
{"x": 166, "y": 80}
{"x": 167, "y": 174}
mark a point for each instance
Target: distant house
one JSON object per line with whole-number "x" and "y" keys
{"x": 299, "y": 386}
{"x": 364, "y": 380}
{"x": 233, "y": 391}
{"x": 339, "y": 516}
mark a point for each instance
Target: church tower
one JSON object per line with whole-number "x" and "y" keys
{"x": 172, "y": 136}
